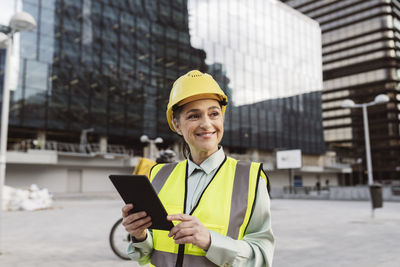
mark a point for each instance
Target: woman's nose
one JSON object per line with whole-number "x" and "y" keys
{"x": 205, "y": 122}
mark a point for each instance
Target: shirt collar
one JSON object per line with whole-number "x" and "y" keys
{"x": 210, "y": 164}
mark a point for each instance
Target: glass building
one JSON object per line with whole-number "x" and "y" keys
{"x": 274, "y": 86}
{"x": 361, "y": 51}
{"x": 109, "y": 65}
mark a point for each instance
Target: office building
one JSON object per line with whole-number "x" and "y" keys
{"x": 102, "y": 70}
{"x": 360, "y": 48}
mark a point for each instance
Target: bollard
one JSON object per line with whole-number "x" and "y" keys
{"x": 376, "y": 195}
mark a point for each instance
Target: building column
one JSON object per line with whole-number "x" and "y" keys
{"x": 103, "y": 144}
{"x": 41, "y": 140}
{"x": 254, "y": 155}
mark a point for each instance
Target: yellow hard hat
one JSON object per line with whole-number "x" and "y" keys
{"x": 192, "y": 86}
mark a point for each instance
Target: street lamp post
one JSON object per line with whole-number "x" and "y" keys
{"x": 21, "y": 21}
{"x": 152, "y": 143}
{"x": 348, "y": 103}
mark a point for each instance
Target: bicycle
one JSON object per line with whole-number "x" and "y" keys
{"x": 119, "y": 239}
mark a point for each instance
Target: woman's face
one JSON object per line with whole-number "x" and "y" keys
{"x": 202, "y": 125}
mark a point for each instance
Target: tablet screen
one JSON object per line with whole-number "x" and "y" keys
{"x": 137, "y": 190}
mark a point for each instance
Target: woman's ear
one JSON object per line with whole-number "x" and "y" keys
{"x": 176, "y": 126}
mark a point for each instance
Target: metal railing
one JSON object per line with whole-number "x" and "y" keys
{"x": 63, "y": 147}
{"x": 303, "y": 190}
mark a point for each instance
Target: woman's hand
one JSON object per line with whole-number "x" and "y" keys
{"x": 135, "y": 224}
{"x": 190, "y": 230}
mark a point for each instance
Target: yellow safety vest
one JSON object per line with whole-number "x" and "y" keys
{"x": 225, "y": 207}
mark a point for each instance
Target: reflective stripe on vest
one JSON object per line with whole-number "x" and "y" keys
{"x": 230, "y": 218}
{"x": 162, "y": 175}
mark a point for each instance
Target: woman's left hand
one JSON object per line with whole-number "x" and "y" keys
{"x": 190, "y": 230}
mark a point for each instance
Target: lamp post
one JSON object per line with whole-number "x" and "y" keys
{"x": 152, "y": 143}
{"x": 375, "y": 190}
{"x": 20, "y": 21}
{"x": 348, "y": 103}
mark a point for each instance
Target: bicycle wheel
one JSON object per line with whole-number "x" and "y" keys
{"x": 119, "y": 240}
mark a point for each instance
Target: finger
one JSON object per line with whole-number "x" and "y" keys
{"x": 126, "y": 209}
{"x": 185, "y": 240}
{"x": 184, "y": 232}
{"x": 144, "y": 227}
{"x": 185, "y": 224}
{"x": 180, "y": 226}
{"x": 137, "y": 224}
{"x": 137, "y": 216}
{"x": 179, "y": 217}
{"x": 134, "y": 217}
{"x": 139, "y": 231}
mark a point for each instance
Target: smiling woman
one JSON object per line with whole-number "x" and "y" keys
{"x": 221, "y": 205}
{"x": 201, "y": 124}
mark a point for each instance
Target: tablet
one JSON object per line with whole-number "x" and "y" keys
{"x": 138, "y": 190}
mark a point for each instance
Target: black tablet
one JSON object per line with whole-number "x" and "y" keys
{"x": 138, "y": 190}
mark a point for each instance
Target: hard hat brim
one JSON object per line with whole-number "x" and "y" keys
{"x": 200, "y": 97}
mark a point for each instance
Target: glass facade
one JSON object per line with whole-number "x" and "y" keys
{"x": 109, "y": 65}
{"x": 102, "y": 64}
{"x": 361, "y": 55}
{"x": 274, "y": 86}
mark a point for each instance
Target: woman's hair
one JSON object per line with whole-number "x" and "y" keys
{"x": 176, "y": 113}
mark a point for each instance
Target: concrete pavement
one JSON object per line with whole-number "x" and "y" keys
{"x": 335, "y": 233}
{"x": 73, "y": 233}
{"x": 308, "y": 232}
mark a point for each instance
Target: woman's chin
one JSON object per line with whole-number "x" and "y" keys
{"x": 209, "y": 149}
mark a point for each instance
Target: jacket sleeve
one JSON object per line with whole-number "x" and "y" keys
{"x": 141, "y": 251}
{"x": 257, "y": 247}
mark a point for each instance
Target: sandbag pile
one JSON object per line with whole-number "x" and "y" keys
{"x": 30, "y": 199}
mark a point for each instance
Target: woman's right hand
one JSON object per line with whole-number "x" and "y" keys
{"x": 135, "y": 224}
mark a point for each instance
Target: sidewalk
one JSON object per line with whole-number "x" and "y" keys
{"x": 308, "y": 232}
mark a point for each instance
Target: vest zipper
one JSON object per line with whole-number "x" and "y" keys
{"x": 181, "y": 253}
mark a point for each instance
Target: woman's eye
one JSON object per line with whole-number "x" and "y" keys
{"x": 193, "y": 116}
{"x": 214, "y": 114}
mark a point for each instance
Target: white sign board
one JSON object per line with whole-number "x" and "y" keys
{"x": 288, "y": 159}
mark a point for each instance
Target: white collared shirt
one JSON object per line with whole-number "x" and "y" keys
{"x": 200, "y": 176}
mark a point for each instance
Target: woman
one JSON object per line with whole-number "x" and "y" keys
{"x": 220, "y": 206}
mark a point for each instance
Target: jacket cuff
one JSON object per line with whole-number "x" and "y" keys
{"x": 223, "y": 250}
{"x": 146, "y": 244}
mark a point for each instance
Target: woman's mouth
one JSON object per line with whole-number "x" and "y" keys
{"x": 205, "y": 134}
